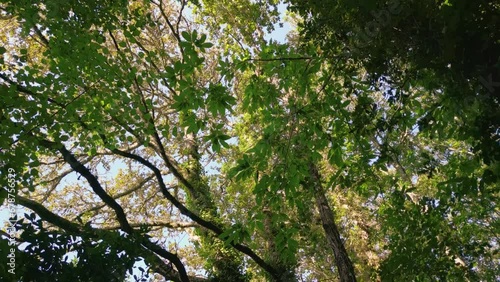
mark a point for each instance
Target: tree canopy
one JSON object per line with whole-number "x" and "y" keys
{"x": 172, "y": 141}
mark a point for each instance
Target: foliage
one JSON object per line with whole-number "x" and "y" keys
{"x": 46, "y": 258}
{"x": 166, "y": 140}
{"x": 449, "y": 48}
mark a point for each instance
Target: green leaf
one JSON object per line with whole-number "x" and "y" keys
{"x": 216, "y": 146}
{"x": 207, "y": 45}
{"x": 202, "y": 39}
{"x": 186, "y": 36}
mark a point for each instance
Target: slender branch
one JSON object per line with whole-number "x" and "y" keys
{"x": 170, "y": 163}
{"x": 55, "y": 182}
{"x": 117, "y": 196}
{"x": 183, "y": 5}
{"x": 165, "y": 82}
{"x": 165, "y": 17}
{"x": 185, "y": 211}
{"x": 41, "y": 36}
{"x": 172, "y": 225}
{"x": 174, "y": 32}
{"x": 181, "y": 274}
{"x": 279, "y": 59}
{"x": 114, "y": 41}
{"x": 25, "y": 90}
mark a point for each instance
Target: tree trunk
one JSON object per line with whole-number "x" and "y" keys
{"x": 344, "y": 264}
{"x": 226, "y": 265}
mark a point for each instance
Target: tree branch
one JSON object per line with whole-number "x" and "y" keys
{"x": 342, "y": 260}
{"x": 279, "y": 59}
{"x": 165, "y": 17}
{"x": 172, "y": 225}
{"x": 93, "y": 182}
{"x": 41, "y": 36}
{"x": 49, "y": 216}
{"x": 71, "y": 227}
{"x": 185, "y": 211}
{"x": 119, "y": 195}
{"x": 122, "y": 219}
{"x": 25, "y": 90}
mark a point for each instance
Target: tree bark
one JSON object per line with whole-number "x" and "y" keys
{"x": 285, "y": 271}
{"x": 342, "y": 260}
{"x": 226, "y": 263}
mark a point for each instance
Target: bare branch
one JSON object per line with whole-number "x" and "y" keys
{"x": 119, "y": 195}
{"x": 41, "y": 36}
{"x": 171, "y": 225}
{"x": 165, "y": 17}
{"x": 183, "y": 5}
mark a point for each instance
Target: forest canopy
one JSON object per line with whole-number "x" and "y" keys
{"x": 159, "y": 140}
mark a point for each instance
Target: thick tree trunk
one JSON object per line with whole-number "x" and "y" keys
{"x": 344, "y": 264}
{"x": 225, "y": 262}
